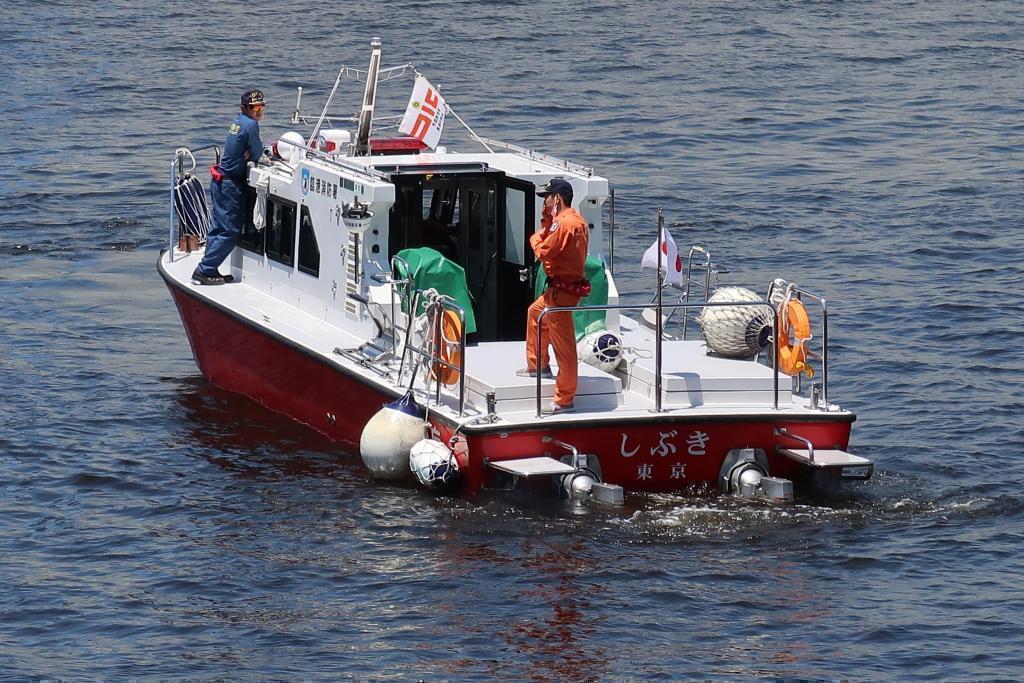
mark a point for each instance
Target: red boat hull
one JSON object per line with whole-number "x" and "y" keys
{"x": 675, "y": 454}
{"x": 664, "y": 453}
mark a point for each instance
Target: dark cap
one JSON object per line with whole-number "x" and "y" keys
{"x": 559, "y": 186}
{"x": 251, "y": 97}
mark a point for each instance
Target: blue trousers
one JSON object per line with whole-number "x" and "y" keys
{"x": 226, "y": 222}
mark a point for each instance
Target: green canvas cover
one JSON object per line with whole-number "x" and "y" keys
{"x": 585, "y": 321}
{"x": 431, "y": 270}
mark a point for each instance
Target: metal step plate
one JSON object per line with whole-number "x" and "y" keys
{"x": 530, "y": 467}
{"x": 853, "y": 466}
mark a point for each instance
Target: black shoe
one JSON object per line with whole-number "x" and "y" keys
{"x": 200, "y": 279}
{"x": 545, "y": 372}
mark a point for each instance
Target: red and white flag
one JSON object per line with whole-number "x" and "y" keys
{"x": 671, "y": 262}
{"x": 424, "y": 117}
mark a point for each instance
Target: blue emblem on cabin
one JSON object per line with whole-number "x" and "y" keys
{"x": 305, "y": 182}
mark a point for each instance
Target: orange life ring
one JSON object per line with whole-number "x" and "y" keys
{"x": 793, "y": 352}
{"x": 447, "y": 347}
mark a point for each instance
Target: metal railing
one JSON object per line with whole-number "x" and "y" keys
{"x": 532, "y": 155}
{"x": 823, "y": 356}
{"x": 688, "y": 283}
{"x": 449, "y": 304}
{"x": 178, "y": 169}
{"x": 341, "y": 163}
{"x": 611, "y": 230}
{"x": 434, "y": 358}
{"x": 409, "y": 298}
{"x": 659, "y": 338}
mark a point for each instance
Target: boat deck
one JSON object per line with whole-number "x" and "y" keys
{"x": 693, "y": 383}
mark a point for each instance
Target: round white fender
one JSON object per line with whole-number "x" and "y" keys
{"x": 389, "y": 436}
{"x": 736, "y": 331}
{"x": 433, "y": 463}
{"x": 602, "y": 349}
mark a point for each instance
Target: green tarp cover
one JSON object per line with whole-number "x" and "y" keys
{"x": 585, "y": 321}
{"x": 431, "y": 270}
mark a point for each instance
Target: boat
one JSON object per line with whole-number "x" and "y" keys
{"x": 379, "y": 296}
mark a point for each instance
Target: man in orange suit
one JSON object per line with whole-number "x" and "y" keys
{"x": 561, "y": 246}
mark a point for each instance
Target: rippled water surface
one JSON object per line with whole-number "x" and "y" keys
{"x": 153, "y": 526}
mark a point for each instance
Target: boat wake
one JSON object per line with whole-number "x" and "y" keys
{"x": 674, "y": 517}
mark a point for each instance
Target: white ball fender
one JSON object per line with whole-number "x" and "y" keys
{"x": 602, "y": 349}
{"x": 433, "y": 463}
{"x": 389, "y": 436}
{"x": 736, "y": 331}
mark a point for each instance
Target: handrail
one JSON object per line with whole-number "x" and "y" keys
{"x": 707, "y": 280}
{"x": 658, "y": 338}
{"x": 782, "y": 431}
{"x": 342, "y": 163}
{"x": 448, "y": 303}
{"x": 434, "y": 357}
{"x": 170, "y": 215}
{"x": 611, "y": 230}
{"x": 178, "y": 162}
{"x": 824, "y": 341}
{"x": 537, "y": 156}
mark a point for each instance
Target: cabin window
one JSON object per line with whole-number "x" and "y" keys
{"x": 251, "y": 238}
{"x": 280, "y": 229}
{"x": 428, "y": 199}
{"x": 441, "y": 219}
{"x": 309, "y": 252}
{"x": 515, "y": 219}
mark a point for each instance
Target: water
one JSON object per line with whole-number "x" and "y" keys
{"x": 153, "y": 526}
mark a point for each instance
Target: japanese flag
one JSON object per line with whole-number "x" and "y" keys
{"x": 424, "y": 117}
{"x": 671, "y": 262}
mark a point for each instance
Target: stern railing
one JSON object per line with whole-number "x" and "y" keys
{"x": 811, "y": 353}
{"x": 660, "y": 338}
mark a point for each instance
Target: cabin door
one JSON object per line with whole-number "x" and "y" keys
{"x": 482, "y": 220}
{"x": 515, "y": 258}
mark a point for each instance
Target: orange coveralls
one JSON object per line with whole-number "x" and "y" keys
{"x": 562, "y": 251}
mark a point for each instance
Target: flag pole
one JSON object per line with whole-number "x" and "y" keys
{"x": 658, "y": 323}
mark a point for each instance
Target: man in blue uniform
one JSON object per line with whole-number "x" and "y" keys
{"x": 228, "y": 188}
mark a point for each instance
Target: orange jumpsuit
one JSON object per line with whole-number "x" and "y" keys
{"x": 562, "y": 251}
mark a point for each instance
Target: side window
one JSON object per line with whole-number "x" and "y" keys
{"x": 309, "y": 252}
{"x": 515, "y": 222}
{"x": 251, "y": 238}
{"x": 280, "y": 238}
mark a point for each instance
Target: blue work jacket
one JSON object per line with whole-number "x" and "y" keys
{"x": 243, "y": 136}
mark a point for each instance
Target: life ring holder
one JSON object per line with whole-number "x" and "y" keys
{"x": 794, "y": 333}
{"x": 447, "y": 338}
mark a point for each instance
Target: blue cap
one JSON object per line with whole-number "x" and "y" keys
{"x": 251, "y": 97}
{"x": 559, "y": 186}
